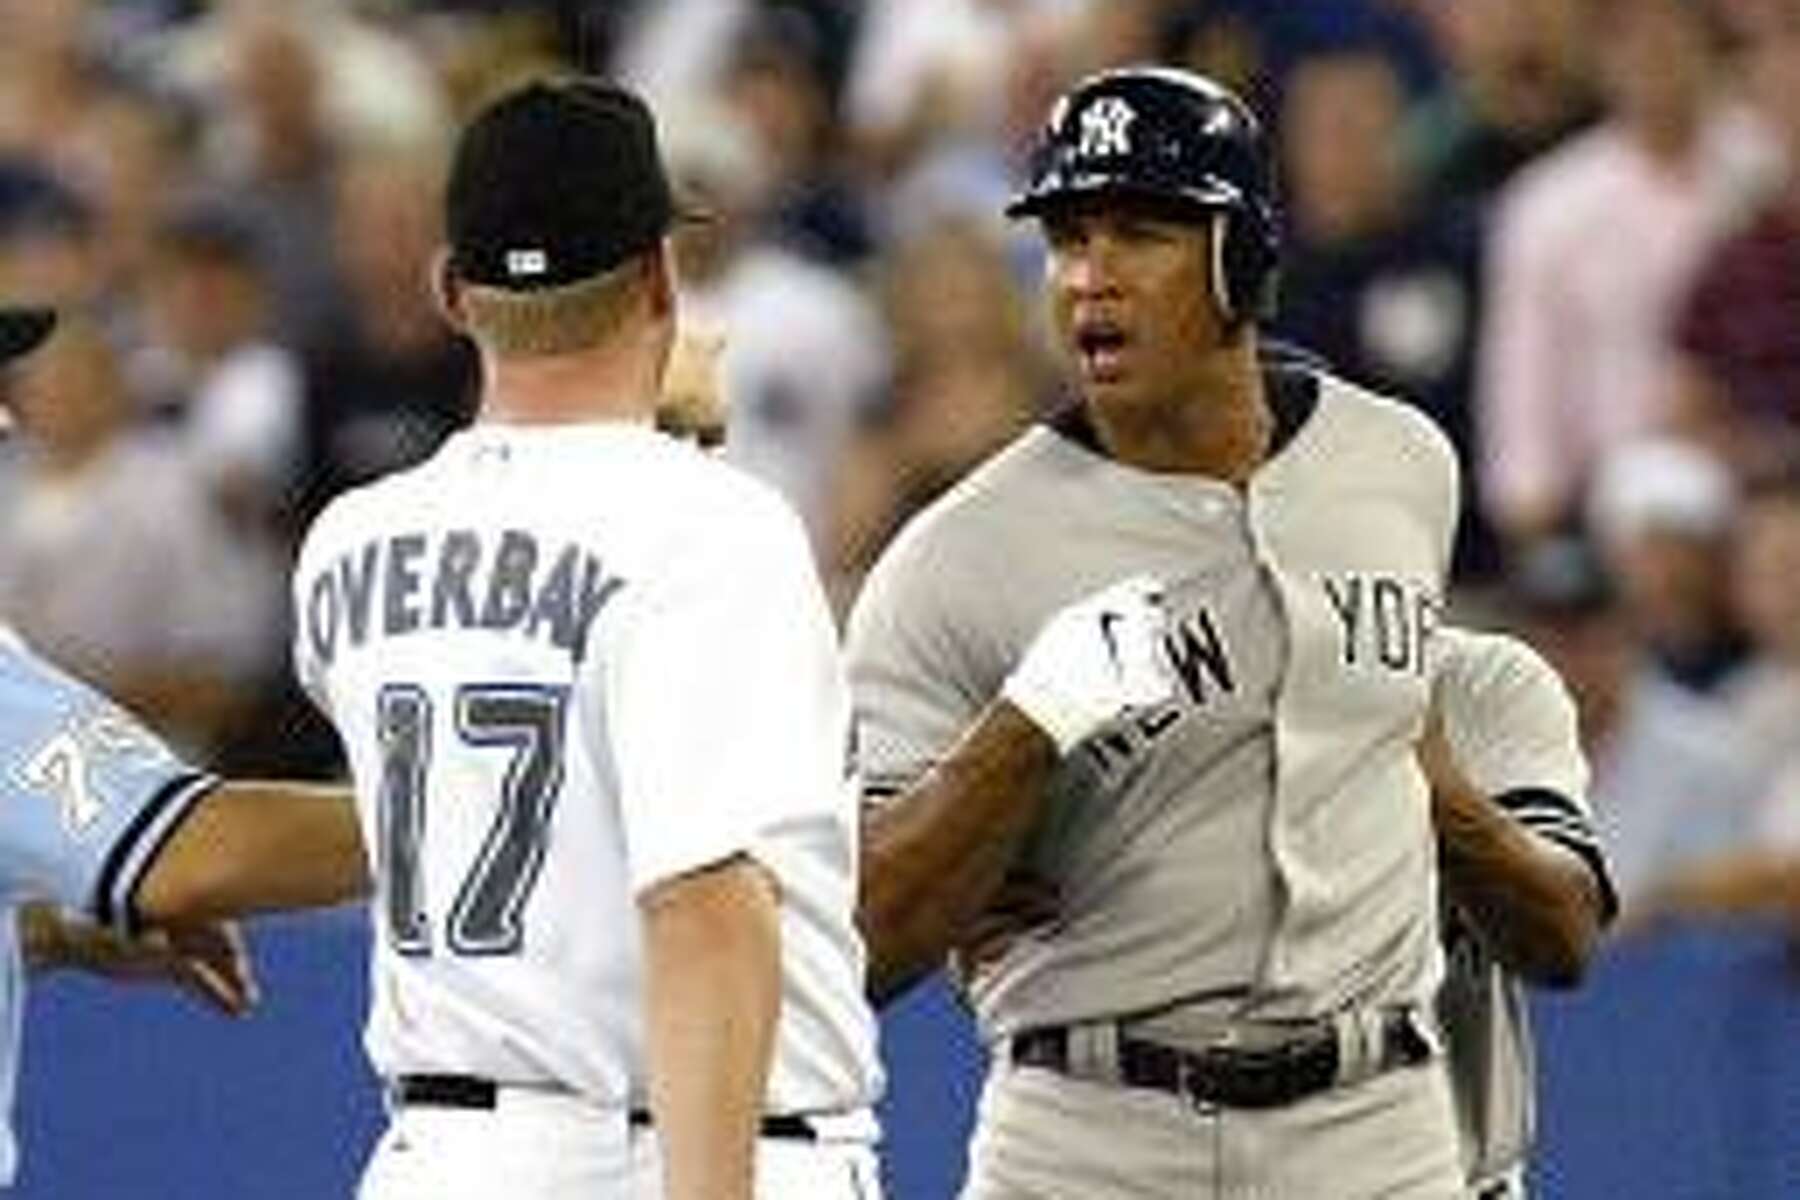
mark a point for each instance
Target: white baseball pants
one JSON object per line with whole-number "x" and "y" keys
{"x": 537, "y": 1144}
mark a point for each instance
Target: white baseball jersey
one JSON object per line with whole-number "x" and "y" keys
{"x": 1264, "y": 839}
{"x": 568, "y": 662}
{"x": 89, "y": 796}
{"x": 1513, "y": 731}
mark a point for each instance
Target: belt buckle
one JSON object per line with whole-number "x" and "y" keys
{"x": 1191, "y": 1069}
{"x": 1187, "y": 1082}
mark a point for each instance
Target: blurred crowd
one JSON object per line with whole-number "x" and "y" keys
{"x": 1567, "y": 229}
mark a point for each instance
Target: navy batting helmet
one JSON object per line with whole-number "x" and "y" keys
{"x": 1174, "y": 137}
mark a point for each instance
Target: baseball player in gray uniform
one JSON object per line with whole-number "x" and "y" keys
{"x": 1235, "y": 996}
{"x": 1526, "y": 886}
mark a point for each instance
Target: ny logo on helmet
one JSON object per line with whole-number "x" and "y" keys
{"x": 1106, "y": 128}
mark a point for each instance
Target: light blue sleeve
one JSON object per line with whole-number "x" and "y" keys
{"x": 88, "y": 795}
{"x": 12, "y": 1022}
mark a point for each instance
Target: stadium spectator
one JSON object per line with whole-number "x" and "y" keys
{"x": 270, "y": 145}
{"x": 1384, "y": 289}
{"x": 114, "y": 562}
{"x": 236, "y": 394}
{"x": 1594, "y": 247}
{"x": 804, "y": 352}
{"x": 1762, "y": 874}
{"x": 1740, "y": 382}
{"x": 1518, "y": 82}
{"x": 1661, "y": 511}
{"x": 968, "y": 374}
{"x": 779, "y": 80}
{"x": 399, "y": 381}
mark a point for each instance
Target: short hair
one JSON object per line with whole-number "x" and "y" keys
{"x": 556, "y": 320}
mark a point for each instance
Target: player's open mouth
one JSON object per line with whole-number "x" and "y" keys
{"x": 1101, "y": 348}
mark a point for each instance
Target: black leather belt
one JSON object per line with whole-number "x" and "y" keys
{"x": 447, "y": 1091}
{"x": 1231, "y": 1076}
{"x": 472, "y": 1091}
{"x": 787, "y": 1127}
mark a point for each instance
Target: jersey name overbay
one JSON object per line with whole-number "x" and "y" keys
{"x": 408, "y": 582}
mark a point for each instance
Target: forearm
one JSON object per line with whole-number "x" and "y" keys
{"x": 256, "y": 847}
{"x": 1533, "y": 903}
{"x": 936, "y": 855}
{"x": 712, "y": 951}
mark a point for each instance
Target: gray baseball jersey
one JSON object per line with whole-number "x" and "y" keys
{"x": 1265, "y": 838}
{"x": 1512, "y": 728}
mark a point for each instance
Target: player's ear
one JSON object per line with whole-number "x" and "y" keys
{"x": 446, "y": 291}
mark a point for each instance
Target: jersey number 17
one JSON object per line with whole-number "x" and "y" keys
{"x": 526, "y": 719}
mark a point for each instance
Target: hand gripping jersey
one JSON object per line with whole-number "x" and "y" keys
{"x": 567, "y": 663}
{"x": 89, "y": 796}
{"x": 1264, "y": 840}
{"x": 1512, "y": 729}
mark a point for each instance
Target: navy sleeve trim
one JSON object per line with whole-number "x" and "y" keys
{"x": 1527, "y": 801}
{"x": 140, "y": 843}
{"x": 1554, "y": 816}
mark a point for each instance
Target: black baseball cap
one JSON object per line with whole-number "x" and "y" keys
{"x": 556, "y": 181}
{"x": 22, "y": 330}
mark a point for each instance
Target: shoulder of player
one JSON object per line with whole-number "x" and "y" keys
{"x": 352, "y": 509}
{"x": 1385, "y": 424}
{"x": 957, "y": 537}
{"x": 360, "y": 512}
{"x": 965, "y": 519}
{"x": 1463, "y": 649}
{"x": 1495, "y": 668}
{"x": 719, "y": 492}
{"x": 716, "y": 517}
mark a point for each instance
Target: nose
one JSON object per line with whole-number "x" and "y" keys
{"x": 1089, "y": 269}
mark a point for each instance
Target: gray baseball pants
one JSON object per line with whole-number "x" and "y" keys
{"x": 1042, "y": 1135}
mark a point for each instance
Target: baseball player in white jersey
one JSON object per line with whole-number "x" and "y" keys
{"x": 590, "y": 695}
{"x": 1526, "y": 884}
{"x": 103, "y": 819}
{"x": 1235, "y": 996}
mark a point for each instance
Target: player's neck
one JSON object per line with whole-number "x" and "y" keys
{"x": 607, "y": 383}
{"x": 1220, "y": 426}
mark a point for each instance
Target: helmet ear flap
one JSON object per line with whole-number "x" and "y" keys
{"x": 1220, "y": 276}
{"x": 1243, "y": 269}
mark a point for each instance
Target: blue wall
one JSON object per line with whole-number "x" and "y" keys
{"x": 1675, "y": 1075}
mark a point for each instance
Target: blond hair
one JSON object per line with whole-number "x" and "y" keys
{"x": 558, "y": 320}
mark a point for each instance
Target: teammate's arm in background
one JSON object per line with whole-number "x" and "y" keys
{"x": 1519, "y": 857}
{"x": 252, "y": 847}
{"x": 712, "y": 956}
{"x": 935, "y": 855}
